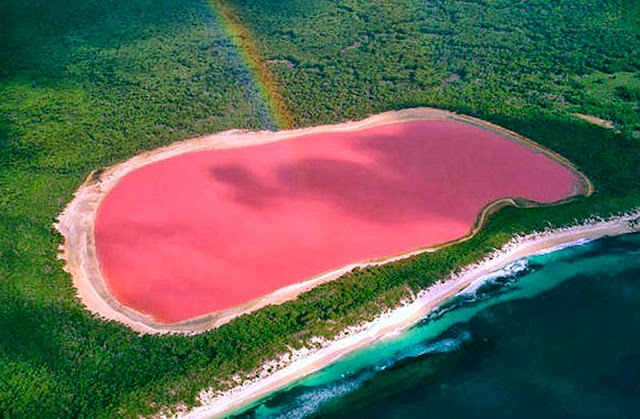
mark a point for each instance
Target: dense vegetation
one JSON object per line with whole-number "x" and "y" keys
{"x": 354, "y": 58}
{"x": 87, "y": 83}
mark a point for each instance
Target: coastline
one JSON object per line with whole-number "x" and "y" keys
{"x": 77, "y": 221}
{"x": 290, "y": 367}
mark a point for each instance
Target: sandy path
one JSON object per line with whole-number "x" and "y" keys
{"x": 390, "y": 324}
{"x": 77, "y": 222}
{"x": 595, "y": 120}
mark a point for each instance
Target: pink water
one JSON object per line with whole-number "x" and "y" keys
{"x": 207, "y": 231}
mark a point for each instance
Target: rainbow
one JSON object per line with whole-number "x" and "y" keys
{"x": 244, "y": 42}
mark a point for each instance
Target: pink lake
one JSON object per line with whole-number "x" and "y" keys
{"x": 210, "y": 230}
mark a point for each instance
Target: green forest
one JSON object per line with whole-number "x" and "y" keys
{"x": 86, "y": 84}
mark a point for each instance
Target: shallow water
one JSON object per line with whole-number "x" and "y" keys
{"x": 557, "y": 335}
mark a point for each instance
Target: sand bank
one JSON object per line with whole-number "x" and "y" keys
{"x": 77, "y": 222}
{"x": 300, "y": 363}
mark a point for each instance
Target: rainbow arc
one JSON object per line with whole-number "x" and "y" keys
{"x": 246, "y": 45}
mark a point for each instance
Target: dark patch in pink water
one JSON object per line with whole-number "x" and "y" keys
{"x": 206, "y": 231}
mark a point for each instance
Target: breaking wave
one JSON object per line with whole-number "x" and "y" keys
{"x": 483, "y": 288}
{"x": 579, "y": 242}
{"x": 311, "y": 398}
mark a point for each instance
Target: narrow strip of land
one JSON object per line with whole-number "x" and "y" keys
{"x": 394, "y": 322}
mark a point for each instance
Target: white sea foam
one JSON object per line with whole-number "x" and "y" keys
{"x": 580, "y": 242}
{"x": 513, "y": 269}
{"x": 297, "y": 361}
{"x": 440, "y": 346}
{"x": 310, "y": 401}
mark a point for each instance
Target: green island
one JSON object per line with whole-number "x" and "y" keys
{"x": 87, "y": 84}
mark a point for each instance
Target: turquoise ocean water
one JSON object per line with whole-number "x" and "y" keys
{"x": 555, "y": 335}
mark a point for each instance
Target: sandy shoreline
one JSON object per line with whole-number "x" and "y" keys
{"x": 77, "y": 222}
{"x": 304, "y": 362}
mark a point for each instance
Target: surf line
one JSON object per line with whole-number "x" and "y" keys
{"x": 246, "y": 45}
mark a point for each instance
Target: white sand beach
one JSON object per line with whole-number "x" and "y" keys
{"x": 296, "y": 364}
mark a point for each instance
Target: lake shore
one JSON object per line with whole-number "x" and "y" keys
{"x": 290, "y": 367}
{"x": 77, "y": 223}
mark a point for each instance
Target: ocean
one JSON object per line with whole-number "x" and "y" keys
{"x": 554, "y": 335}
